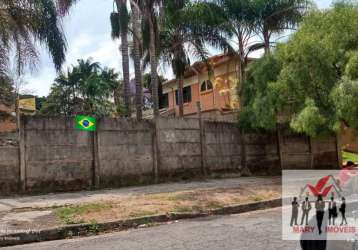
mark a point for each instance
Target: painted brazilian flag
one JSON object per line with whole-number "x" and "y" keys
{"x": 85, "y": 123}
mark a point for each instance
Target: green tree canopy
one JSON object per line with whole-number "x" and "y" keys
{"x": 185, "y": 31}
{"x": 84, "y": 89}
{"x": 311, "y": 81}
{"x": 7, "y": 92}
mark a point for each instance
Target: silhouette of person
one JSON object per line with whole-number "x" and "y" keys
{"x": 342, "y": 209}
{"x": 294, "y": 214}
{"x": 313, "y": 241}
{"x": 332, "y": 211}
{"x": 320, "y": 205}
{"x": 306, "y": 207}
{"x": 313, "y": 244}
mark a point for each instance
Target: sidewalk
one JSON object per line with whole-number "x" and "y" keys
{"x": 72, "y": 198}
{"x": 34, "y": 218}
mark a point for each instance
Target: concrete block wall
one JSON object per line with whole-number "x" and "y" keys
{"x": 179, "y": 145}
{"x": 52, "y": 155}
{"x": 303, "y": 152}
{"x": 296, "y": 151}
{"x": 222, "y": 146}
{"x": 324, "y": 150}
{"x": 262, "y": 154}
{"x": 9, "y": 169}
{"x": 57, "y": 156}
{"x": 125, "y": 151}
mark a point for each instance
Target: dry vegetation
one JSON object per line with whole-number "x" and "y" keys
{"x": 163, "y": 203}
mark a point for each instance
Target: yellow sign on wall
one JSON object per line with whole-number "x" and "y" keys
{"x": 28, "y": 104}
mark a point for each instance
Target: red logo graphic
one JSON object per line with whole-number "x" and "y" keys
{"x": 321, "y": 189}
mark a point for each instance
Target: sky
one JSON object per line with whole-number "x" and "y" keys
{"x": 87, "y": 29}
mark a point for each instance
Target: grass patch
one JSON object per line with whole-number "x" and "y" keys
{"x": 182, "y": 197}
{"x": 348, "y": 156}
{"x": 198, "y": 201}
{"x": 136, "y": 214}
{"x": 214, "y": 205}
{"x": 68, "y": 214}
{"x": 182, "y": 209}
{"x": 94, "y": 227}
{"x": 257, "y": 198}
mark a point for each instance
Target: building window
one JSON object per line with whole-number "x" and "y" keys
{"x": 186, "y": 95}
{"x": 206, "y": 85}
{"x": 163, "y": 101}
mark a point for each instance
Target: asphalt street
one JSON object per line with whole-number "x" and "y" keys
{"x": 254, "y": 230}
{"x": 259, "y": 230}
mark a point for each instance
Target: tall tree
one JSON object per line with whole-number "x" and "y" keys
{"x": 63, "y": 6}
{"x": 152, "y": 11}
{"x": 120, "y": 22}
{"x": 311, "y": 82}
{"x": 7, "y": 92}
{"x": 239, "y": 28}
{"x": 185, "y": 31}
{"x": 85, "y": 88}
{"x": 275, "y": 17}
{"x": 172, "y": 43}
{"x": 136, "y": 28}
{"x": 23, "y": 23}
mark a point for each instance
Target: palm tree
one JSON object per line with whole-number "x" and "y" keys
{"x": 85, "y": 88}
{"x": 86, "y": 67}
{"x": 120, "y": 22}
{"x": 136, "y": 30}
{"x": 274, "y": 17}
{"x": 23, "y": 23}
{"x": 240, "y": 27}
{"x": 151, "y": 11}
{"x": 184, "y": 32}
{"x": 109, "y": 76}
{"x": 63, "y": 6}
{"x": 244, "y": 20}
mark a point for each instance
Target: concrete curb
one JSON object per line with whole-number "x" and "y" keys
{"x": 69, "y": 231}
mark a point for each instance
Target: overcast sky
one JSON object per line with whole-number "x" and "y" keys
{"x": 87, "y": 30}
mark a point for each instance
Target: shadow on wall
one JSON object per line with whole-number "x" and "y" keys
{"x": 349, "y": 139}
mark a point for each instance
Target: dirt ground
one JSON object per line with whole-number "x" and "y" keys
{"x": 138, "y": 205}
{"x": 180, "y": 202}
